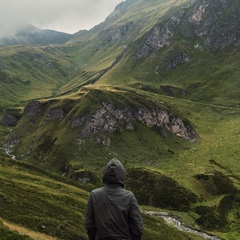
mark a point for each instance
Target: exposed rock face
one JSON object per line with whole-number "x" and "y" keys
{"x": 33, "y": 109}
{"x": 77, "y": 122}
{"x": 166, "y": 119}
{"x": 216, "y": 22}
{"x": 159, "y": 37}
{"x": 179, "y": 59}
{"x": 9, "y": 119}
{"x": 110, "y": 119}
{"x": 107, "y": 119}
{"x": 198, "y": 13}
{"x": 54, "y": 114}
{"x": 116, "y": 34}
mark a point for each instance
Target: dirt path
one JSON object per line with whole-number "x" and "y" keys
{"x": 24, "y": 231}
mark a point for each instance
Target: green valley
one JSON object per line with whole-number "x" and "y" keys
{"x": 155, "y": 85}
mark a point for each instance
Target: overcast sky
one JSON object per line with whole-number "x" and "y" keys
{"x": 68, "y": 16}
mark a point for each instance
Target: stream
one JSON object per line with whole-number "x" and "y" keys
{"x": 169, "y": 219}
{"x": 8, "y": 153}
{"x": 173, "y": 221}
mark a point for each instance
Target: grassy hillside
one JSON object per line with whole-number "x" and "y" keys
{"x": 41, "y": 201}
{"x": 202, "y": 176}
{"x": 101, "y": 46}
{"x": 98, "y": 98}
{"x": 44, "y": 144}
{"x": 46, "y": 203}
{"x": 208, "y": 77}
{"x": 32, "y": 72}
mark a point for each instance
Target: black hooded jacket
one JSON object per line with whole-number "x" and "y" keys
{"x": 112, "y": 211}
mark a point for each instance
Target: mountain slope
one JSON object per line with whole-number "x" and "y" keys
{"x": 100, "y": 48}
{"x": 77, "y": 134}
{"x": 101, "y": 115}
{"x": 55, "y": 206}
{"x": 163, "y": 100}
{"x": 32, "y": 72}
{"x": 185, "y": 56}
{"x": 84, "y": 59}
{"x": 27, "y": 34}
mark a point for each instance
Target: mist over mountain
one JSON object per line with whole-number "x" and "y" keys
{"x": 25, "y": 34}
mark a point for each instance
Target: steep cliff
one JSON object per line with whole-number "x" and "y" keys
{"x": 215, "y": 22}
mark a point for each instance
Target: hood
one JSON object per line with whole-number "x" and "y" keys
{"x": 114, "y": 173}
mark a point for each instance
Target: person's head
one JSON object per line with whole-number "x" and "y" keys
{"x": 114, "y": 173}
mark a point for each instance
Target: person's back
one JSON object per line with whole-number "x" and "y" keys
{"x": 112, "y": 211}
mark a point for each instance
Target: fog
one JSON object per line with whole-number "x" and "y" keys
{"x": 65, "y": 16}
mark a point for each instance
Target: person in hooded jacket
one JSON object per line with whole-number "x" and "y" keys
{"x": 112, "y": 211}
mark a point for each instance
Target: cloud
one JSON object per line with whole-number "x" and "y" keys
{"x": 67, "y": 16}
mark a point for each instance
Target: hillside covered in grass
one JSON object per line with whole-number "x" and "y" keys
{"x": 198, "y": 175}
{"x": 157, "y": 86}
{"x": 53, "y": 207}
{"x": 31, "y": 72}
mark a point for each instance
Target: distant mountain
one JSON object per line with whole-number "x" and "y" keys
{"x": 186, "y": 54}
{"x": 28, "y": 34}
{"x": 155, "y": 85}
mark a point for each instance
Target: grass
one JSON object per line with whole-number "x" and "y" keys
{"x": 213, "y": 154}
{"x": 32, "y": 197}
{"x": 26, "y": 233}
{"x": 36, "y": 72}
{"x": 218, "y": 137}
{"x": 207, "y": 78}
{"x": 10, "y": 234}
{"x": 39, "y": 202}
{"x": 42, "y": 205}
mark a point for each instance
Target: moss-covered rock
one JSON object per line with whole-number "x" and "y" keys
{"x": 217, "y": 217}
{"x": 153, "y": 188}
{"x": 216, "y": 183}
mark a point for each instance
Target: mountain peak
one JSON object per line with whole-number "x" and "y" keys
{"x": 25, "y": 33}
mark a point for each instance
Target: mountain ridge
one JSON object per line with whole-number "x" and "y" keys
{"x": 161, "y": 96}
{"x": 169, "y": 44}
{"x": 27, "y": 34}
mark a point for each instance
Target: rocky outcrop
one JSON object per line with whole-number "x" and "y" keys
{"x": 54, "y": 114}
{"x": 115, "y": 34}
{"x": 166, "y": 119}
{"x": 110, "y": 119}
{"x": 178, "y": 59}
{"x": 98, "y": 126}
{"x": 215, "y": 22}
{"x": 9, "y": 119}
{"x": 159, "y": 37}
{"x": 32, "y": 109}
